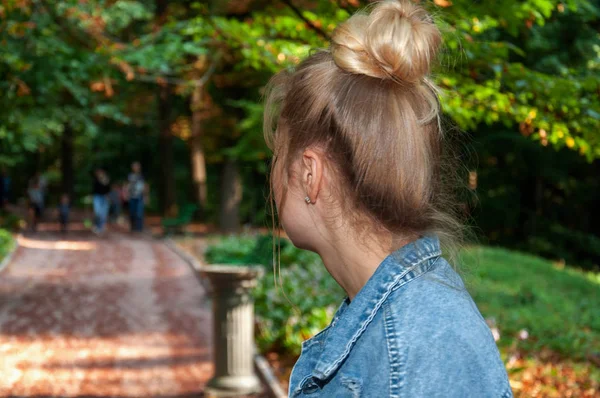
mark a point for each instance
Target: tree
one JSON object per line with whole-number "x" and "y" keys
{"x": 165, "y": 141}
{"x": 55, "y": 85}
{"x": 521, "y": 77}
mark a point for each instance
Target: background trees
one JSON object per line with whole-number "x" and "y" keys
{"x": 177, "y": 85}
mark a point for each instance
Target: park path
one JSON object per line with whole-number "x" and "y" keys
{"x": 117, "y": 316}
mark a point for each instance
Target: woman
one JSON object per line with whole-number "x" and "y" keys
{"x": 358, "y": 177}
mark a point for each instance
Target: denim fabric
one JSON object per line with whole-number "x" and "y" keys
{"x": 412, "y": 331}
{"x": 100, "y": 203}
{"x": 136, "y": 213}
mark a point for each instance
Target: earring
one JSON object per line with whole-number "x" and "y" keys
{"x": 307, "y": 200}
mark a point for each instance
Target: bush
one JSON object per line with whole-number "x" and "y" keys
{"x": 291, "y": 305}
{"x": 10, "y": 221}
{"x": 6, "y": 243}
{"x": 243, "y": 249}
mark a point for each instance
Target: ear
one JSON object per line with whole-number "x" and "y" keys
{"x": 313, "y": 163}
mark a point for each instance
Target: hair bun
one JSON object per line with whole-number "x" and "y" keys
{"x": 398, "y": 40}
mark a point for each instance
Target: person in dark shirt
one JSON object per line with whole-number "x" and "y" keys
{"x": 136, "y": 191}
{"x": 4, "y": 188}
{"x": 100, "y": 191}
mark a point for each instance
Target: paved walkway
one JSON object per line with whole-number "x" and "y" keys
{"x": 117, "y": 316}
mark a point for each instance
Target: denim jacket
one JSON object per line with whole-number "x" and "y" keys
{"x": 412, "y": 331}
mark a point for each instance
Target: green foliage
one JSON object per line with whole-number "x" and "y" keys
{"x": 10, "y": 222}
{"x": 292, "y": 304}
{"x": 49, "y": 62}
{"x": 121, "y": 14}
{"x": 6, "y": 243}
{"x": 536, "y": 200}
{"x": 521, "y": 77}
{"x": 520, "y": 292}
{"x": 231, "y": 250}
{"x": 251, "y": 144}
{"x": 520, "y": 69}
{"x": 510, "y": 64}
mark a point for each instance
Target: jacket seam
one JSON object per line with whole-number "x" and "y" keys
{"x": 421, "y": 260}
{"x": 394, "y": 356}
{"x": 417, "y": 276}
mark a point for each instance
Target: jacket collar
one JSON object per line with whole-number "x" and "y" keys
{"x": 352, "y": 319}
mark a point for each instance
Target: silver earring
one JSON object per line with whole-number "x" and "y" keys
{"x": 307, "y": 200}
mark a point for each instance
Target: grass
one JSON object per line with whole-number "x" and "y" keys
{"x": 547, "y": 317}
{"x": 557, "y": 306}
{"x": 6, "y": 243}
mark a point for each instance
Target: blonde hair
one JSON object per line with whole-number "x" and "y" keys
{"x": 369, "y": 104}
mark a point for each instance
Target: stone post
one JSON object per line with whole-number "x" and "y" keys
{"x": 233, "y": 329}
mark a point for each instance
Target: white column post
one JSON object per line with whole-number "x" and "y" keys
{"x": 233, "y": 329}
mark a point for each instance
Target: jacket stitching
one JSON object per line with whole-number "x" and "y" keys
{"x": 395, "y": 359}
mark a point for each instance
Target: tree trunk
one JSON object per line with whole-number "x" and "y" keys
{"x": 539, "y": 201}
{"x": 231, "y": 197}
{"x": 594, "y": 227}
{"x": 197, "y": 152}
{"x": 66, "y": 162}
{"x": 161, "y": 11}
{"x": 165, "y": 148}
{"x": 166, "y": 192}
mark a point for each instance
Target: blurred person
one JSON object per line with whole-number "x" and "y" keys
{"x": 115, "y": 202}
{"x": 125, "y": 195}
{"x": 136, "y": 192}
{"x": 358, "y": 157}
{"x": 4, "y": 187}
{"x": 100, "y": 190}
{"x": 42, "y": 186}
{"x": 64, "y": 209}
{"x": 36, "y": 201}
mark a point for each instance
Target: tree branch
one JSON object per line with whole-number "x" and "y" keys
{"x": 158, "y": 79}
{"x": 311, "y": 25}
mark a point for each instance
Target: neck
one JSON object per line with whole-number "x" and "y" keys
{"x": 352, "y": 261}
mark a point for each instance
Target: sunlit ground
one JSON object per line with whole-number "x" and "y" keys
{"x": 135, "y": 365}
{"x": 31, "y": 243}
{"x": 119, "y": 315}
